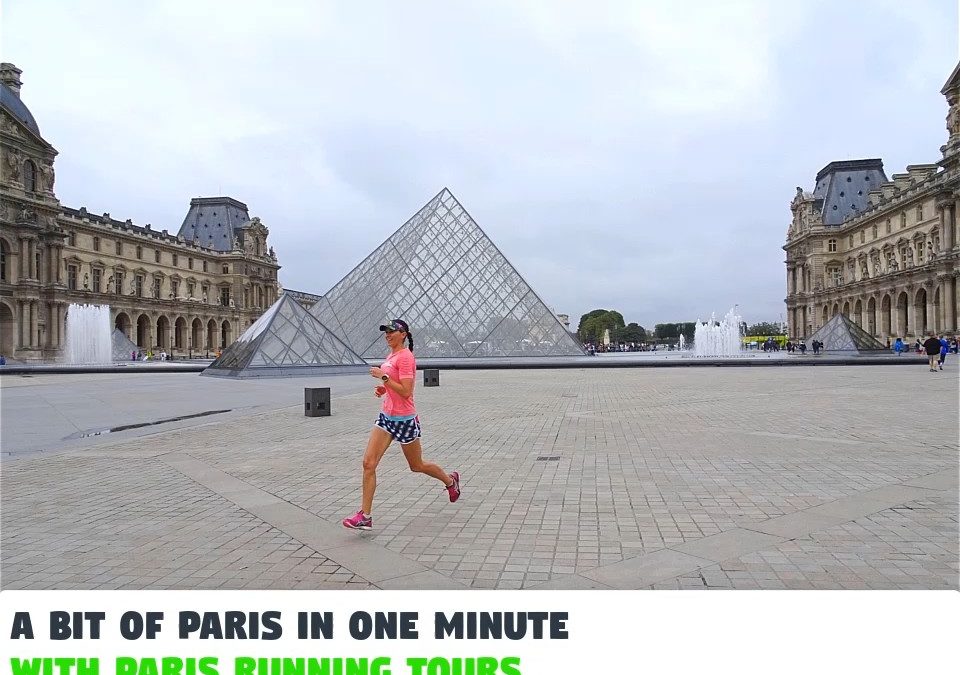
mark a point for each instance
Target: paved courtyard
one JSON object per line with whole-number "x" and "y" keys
{"x": 691, "y": 478}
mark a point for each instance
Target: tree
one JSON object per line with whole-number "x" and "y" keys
{"x": 632, "y": 332}
{"x": 593, "y": 324}
{"x": 667, "y": 331}
{"x": 764, "y": 328}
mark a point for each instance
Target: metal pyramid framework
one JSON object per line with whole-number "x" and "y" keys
{"x": 121, "y": 346}
{"x": 840, "y": 334}
{"x": 286, "y": 340}
{"x": 460, "y": 296}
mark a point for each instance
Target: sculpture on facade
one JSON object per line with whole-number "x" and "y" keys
{"x": 13, "y": 165}
{"x": 27, "y": 215}
{"x": 46, "y": 170}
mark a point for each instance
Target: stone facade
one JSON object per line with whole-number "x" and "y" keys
{"x": 165, "y": 292}
{"x": 884, "y": 253}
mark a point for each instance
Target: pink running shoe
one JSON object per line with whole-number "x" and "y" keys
{"x": 358, "y": 522}
{"x": 454, "y": 490}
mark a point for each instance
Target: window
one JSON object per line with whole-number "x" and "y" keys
{"x": 225, "y": 296}
{"x": 118, "y": 286}
{"x": 139, "y": 252}
{"x": 156, "y": 256}
{"x": 850, "y": 242}
{"x": 836, "y": 277}
{"x": 175, "y": 259}
{"x": 226, "y": 268}
{"x": 889, "y": 226}
{"x": 138, "y": 285}
{"x": 38, "y": 261}
{"x": 936, "y": 241}
{"x": 920, "y": 251}
{"x": 72, "y": 238}
{"x": 72, "y": 277}
{"x": 919, "y": 213}
{"x": 190, "y": 263}
{"x": 175, "y": 288}
{"x": 204, "y": 265}
{"x": 156, "y": 288}
{"x": 97, "y": 279}
{"x": 96, "y": 243}
{"x": 874, "y": 231}
{"x": 863, "y": 236}
{"x": 832, "y": 245}
{"x": 119, "y": 248}
{"x": 3, "y": 260}
{"x": 206, "y": 292}
{"x": 29, "y": 176}
{"x": 903, "y": 220}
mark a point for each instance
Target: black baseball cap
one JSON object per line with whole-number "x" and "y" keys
{"x": 395, "y": 324}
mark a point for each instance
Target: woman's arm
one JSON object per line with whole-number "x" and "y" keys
{"x": 403, "y": 387}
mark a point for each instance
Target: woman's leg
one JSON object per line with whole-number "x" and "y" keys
{"x": 377, "y": 444}
{"x": 414, "y": 454}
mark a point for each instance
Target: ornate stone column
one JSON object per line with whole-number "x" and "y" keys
{"x": 932, "y": 323}
{"x": 24, "y": 264}
{"x": 23, "y": 316}
{"x": 34, "y": 323}
{"x": 950, "y": 304}
{"x": 864, "y": 314}
{"x": 32, "y": 258}
{"x": 878, "y": 320}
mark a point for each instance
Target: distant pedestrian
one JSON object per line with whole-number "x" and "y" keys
{"x": 944, "y": 348}
{"x": 3, "y": 360}
{"x": 898, "y": 346}
{"x": 803, "y": 348}
{"x": 932, "y": 347}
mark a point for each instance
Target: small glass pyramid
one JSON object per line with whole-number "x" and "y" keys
{"x": 458, "y": 293}
{"x": 840, "y": 334}
{"x": 286, "y": 340}
{"x": 121, "y": 346}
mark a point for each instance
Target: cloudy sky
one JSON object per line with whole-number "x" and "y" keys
{"x": 637, "y": 156}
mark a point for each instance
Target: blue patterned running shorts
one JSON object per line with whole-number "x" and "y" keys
{"x": 402, "y": 431}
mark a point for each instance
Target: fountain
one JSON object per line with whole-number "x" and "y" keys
{"x": 723, "y": 339}
{"x": 88, "y": 335}
{"x": 682, "y": 344}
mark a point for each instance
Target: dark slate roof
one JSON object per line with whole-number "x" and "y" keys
{"x": 213, "y": 222}
{"x": 13, "y": 105}
{"x": 843, "y": 186}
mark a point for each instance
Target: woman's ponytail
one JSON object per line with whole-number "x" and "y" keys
{"x": 410, "y": 340}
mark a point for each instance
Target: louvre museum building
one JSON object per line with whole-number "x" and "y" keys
{"x": 884, "y": 253}
{"x": 190, "y": 293}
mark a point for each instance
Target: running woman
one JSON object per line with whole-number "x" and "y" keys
{"x": 397, "y": 422}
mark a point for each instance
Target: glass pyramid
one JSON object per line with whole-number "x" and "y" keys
{"x": 460, "y": 296}
{"x": 121, "y": 345}
{"x": 286, "y": 340}
{"x": 840, "y": 334}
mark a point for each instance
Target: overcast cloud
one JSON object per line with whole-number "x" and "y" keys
{"x": 638, "y": 156}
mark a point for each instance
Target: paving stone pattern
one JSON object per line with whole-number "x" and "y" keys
{"x": 824, "y": 477}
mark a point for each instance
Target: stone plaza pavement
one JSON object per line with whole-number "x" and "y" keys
{"x": 691, "y": 478}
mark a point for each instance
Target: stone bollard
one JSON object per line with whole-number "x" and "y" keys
{"x": 431, "y": 377}
{"x": 316, "y": 401}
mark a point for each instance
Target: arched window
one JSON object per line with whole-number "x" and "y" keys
{"x": 832, "y": 245}
{"x": 29, "y": 176}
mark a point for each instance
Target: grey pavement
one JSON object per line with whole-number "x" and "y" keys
{"x": 694, "y": 478}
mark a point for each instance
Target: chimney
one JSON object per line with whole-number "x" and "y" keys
{"x": 10, "y": 76}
